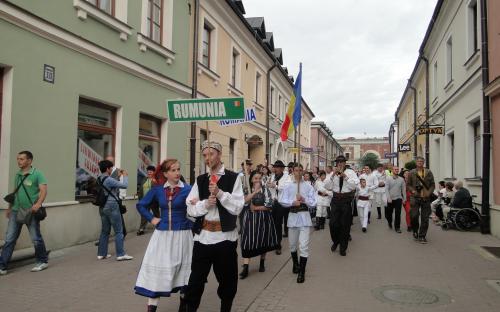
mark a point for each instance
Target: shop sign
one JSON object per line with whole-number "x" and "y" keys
{"x": 205, "y": 109}
{"x": 88, "y": 159}
{"x": 430, "y": 130}
{"x": 307, "y": 150}
{"x": 143, "y": 161}
{"x": 249, "y": 117}
{"x": 404, "y": 147}
{"x": 390, "y": 155}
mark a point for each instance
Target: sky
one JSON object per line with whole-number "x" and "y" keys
{"x": 357, "y": 55}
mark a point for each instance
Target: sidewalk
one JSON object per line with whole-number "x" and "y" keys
{"x": 452, "y": 265}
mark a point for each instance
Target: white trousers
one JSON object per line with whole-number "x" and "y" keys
{"x": 363, "y": 210}
{"x": 298, "y": 238}
{"x": 434, "y": 204}
{"x": 321, "y": 212}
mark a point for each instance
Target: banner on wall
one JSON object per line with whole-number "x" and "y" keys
{"x": 143, "y": 161}
{"x": 88, "y": 159}
{"x": 250, "y": 116}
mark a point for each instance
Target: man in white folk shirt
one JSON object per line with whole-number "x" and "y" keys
{"x": 372, "y": 184}
{"x": 215, "y": 200}
{"x": 380, "y": 200}
{"x": 299, "y": 196}
{"x": 344, "y": 183}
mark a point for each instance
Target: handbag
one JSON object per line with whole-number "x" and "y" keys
{"x": 41, "y": 213}
{"x": 10, "y": 198}
{"x": 121, "y": 206}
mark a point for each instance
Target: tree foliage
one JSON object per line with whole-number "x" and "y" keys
{"x": 411, "y": 165}
{"x": 369, "y": 159}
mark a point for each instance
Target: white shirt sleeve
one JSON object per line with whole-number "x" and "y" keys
{"x": 310, "y": 197}
{"x": 200, "y": 208}
{"x": 287, "y": 195}
{"x": 352, "y": 179}
{"x": 232, "y": 202}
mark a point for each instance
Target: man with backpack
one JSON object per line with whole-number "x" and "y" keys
{"x": 30, "y": 192}
{"x": 109, "y": 203}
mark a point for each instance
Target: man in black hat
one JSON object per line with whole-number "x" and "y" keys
{"x": 343, "y": 184}
{"x": 278, "y": 212}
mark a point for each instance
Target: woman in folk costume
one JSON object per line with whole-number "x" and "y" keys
{"x": 323, "y": 200}
{"x": 167, "y": 262}
{"x": 258, "y": 234}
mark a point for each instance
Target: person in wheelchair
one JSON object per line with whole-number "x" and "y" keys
{"x": 461, "y": 199}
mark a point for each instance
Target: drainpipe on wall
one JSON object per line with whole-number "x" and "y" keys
{"x": 427, "y": 107}
{"x": 414, "y": 119}
{"x": 268, "y": 91}
{"x": 397, "y": 145}
{"x": 194, "y": 93}
{"x": 485, "y": 192}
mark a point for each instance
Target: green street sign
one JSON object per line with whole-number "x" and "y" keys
{"x": 205, "y": 109}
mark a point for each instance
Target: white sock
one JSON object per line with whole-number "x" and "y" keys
{"x": 153, "y": 301}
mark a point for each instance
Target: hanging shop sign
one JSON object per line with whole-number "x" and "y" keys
{"x": 205, "y": 109}
{"x": 390, "y": 155}
{"x": 430, "y": 130}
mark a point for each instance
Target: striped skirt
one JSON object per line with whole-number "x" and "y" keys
{"x": 258, "y": 234}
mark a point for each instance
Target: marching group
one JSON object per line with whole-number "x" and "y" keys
{"x": 197, "y": 228}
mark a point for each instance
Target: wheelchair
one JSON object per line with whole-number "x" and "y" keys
{"x": 462, "y": 219}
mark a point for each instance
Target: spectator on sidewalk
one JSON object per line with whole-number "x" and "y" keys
{"x": 421, "y": 185}
{"x": 122, "y": 193}
{"x": 110, "y": 213}
{"x": 462, "y": 198}
{"x": 166, "y": 266}
{"x": 144, "y": 188}
{"x": 31, "y": 190}
{"x": 396, "y": 195}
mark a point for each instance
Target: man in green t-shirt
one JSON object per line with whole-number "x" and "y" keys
{"x": 30, "y": 195}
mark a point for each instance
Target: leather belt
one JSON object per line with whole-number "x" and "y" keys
{"x": 364, "y": 197}
{"x": 350, "y": 194}
{"x": 259, "y": 208}
{"x": 212, "y": 226}
{"x": 300, "y": 208}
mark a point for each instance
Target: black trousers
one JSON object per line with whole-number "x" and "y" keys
{"x": 395, "y": 207}
{"x": 279, "y": 213}
{"x": 420, "y": 208}
{"x": 224, "y": 258}
{"x": 341, "y": 220}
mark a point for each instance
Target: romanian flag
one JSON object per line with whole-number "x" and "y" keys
{"x": 294, "y": 113}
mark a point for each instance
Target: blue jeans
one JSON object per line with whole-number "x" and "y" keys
{"x": 111, "y": 217}
{"x": 13, "y": 232}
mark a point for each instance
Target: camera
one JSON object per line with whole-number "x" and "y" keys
{"x": 419, "y": 187}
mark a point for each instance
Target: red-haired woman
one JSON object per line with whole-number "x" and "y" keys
{"x": 167, "y": 262}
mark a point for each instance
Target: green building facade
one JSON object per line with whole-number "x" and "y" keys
{"x": 81, "y": 80}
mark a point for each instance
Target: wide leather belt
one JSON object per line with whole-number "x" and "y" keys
{"x": 363, "y": 197}
{"x": 350, "y": 194}
{"x": 212, "y": 226}
{"x": 300, "y": 208}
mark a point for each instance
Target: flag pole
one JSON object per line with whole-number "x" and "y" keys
{"x": 298, "y": 153}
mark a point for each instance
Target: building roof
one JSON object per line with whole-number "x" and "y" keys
{"x": 239, "y": 5}
{"x": 278, "y": 54}
{"x": 269, "y": 41}
{"x": 258, "y": 24}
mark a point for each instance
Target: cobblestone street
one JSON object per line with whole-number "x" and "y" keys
{"x": 452, "y": 271}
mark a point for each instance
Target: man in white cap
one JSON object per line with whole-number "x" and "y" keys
{"x": 215, "y": 200}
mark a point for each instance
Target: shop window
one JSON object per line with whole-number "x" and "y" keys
{"x": 149, "y": 145}
{"x": 96, "y": 140}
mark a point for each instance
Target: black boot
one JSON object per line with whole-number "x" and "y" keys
{"x": 379, "y": 212}
{"x": 301, "y": 277}
{"x": 244, "y": 273}
{"x": 318, "y": 223}
{"x": 152, "y": 308}
{"x": 323, "y": 220}
{"x": 182, "y": 305}
{"x": 262, "y": 268}
{"x": 225, "y": 305}
{"x": 369, "y": 216}
{"x": 295, "y": 260}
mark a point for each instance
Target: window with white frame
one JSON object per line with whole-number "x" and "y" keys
{"x": 476, "y": 131}
{"x": 472, "y": 36}
{"x": 451, "y": 154}
{"x": 449, "y": 60}
{"x": 154, "y": 27}
{"x": 273, "y": 102}
{"x": 280, "y": 107}
{"x": 206, "y": 45}
{"x": 435, "y": 79}
{"x": 235, "y": 69}
{"x": 107, "y": 6}
{"x": 258, "y": 78}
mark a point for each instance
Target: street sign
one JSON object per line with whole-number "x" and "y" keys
{"x": 293, "y": 150}
{"x": 390, "y": 155}
{"x": 404, "y": 147}
{"x": 249, "y": 117}
{"x": 430, "y": 130}
{"x": 307, "y": 150}
{"x": 205, "y": 109}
